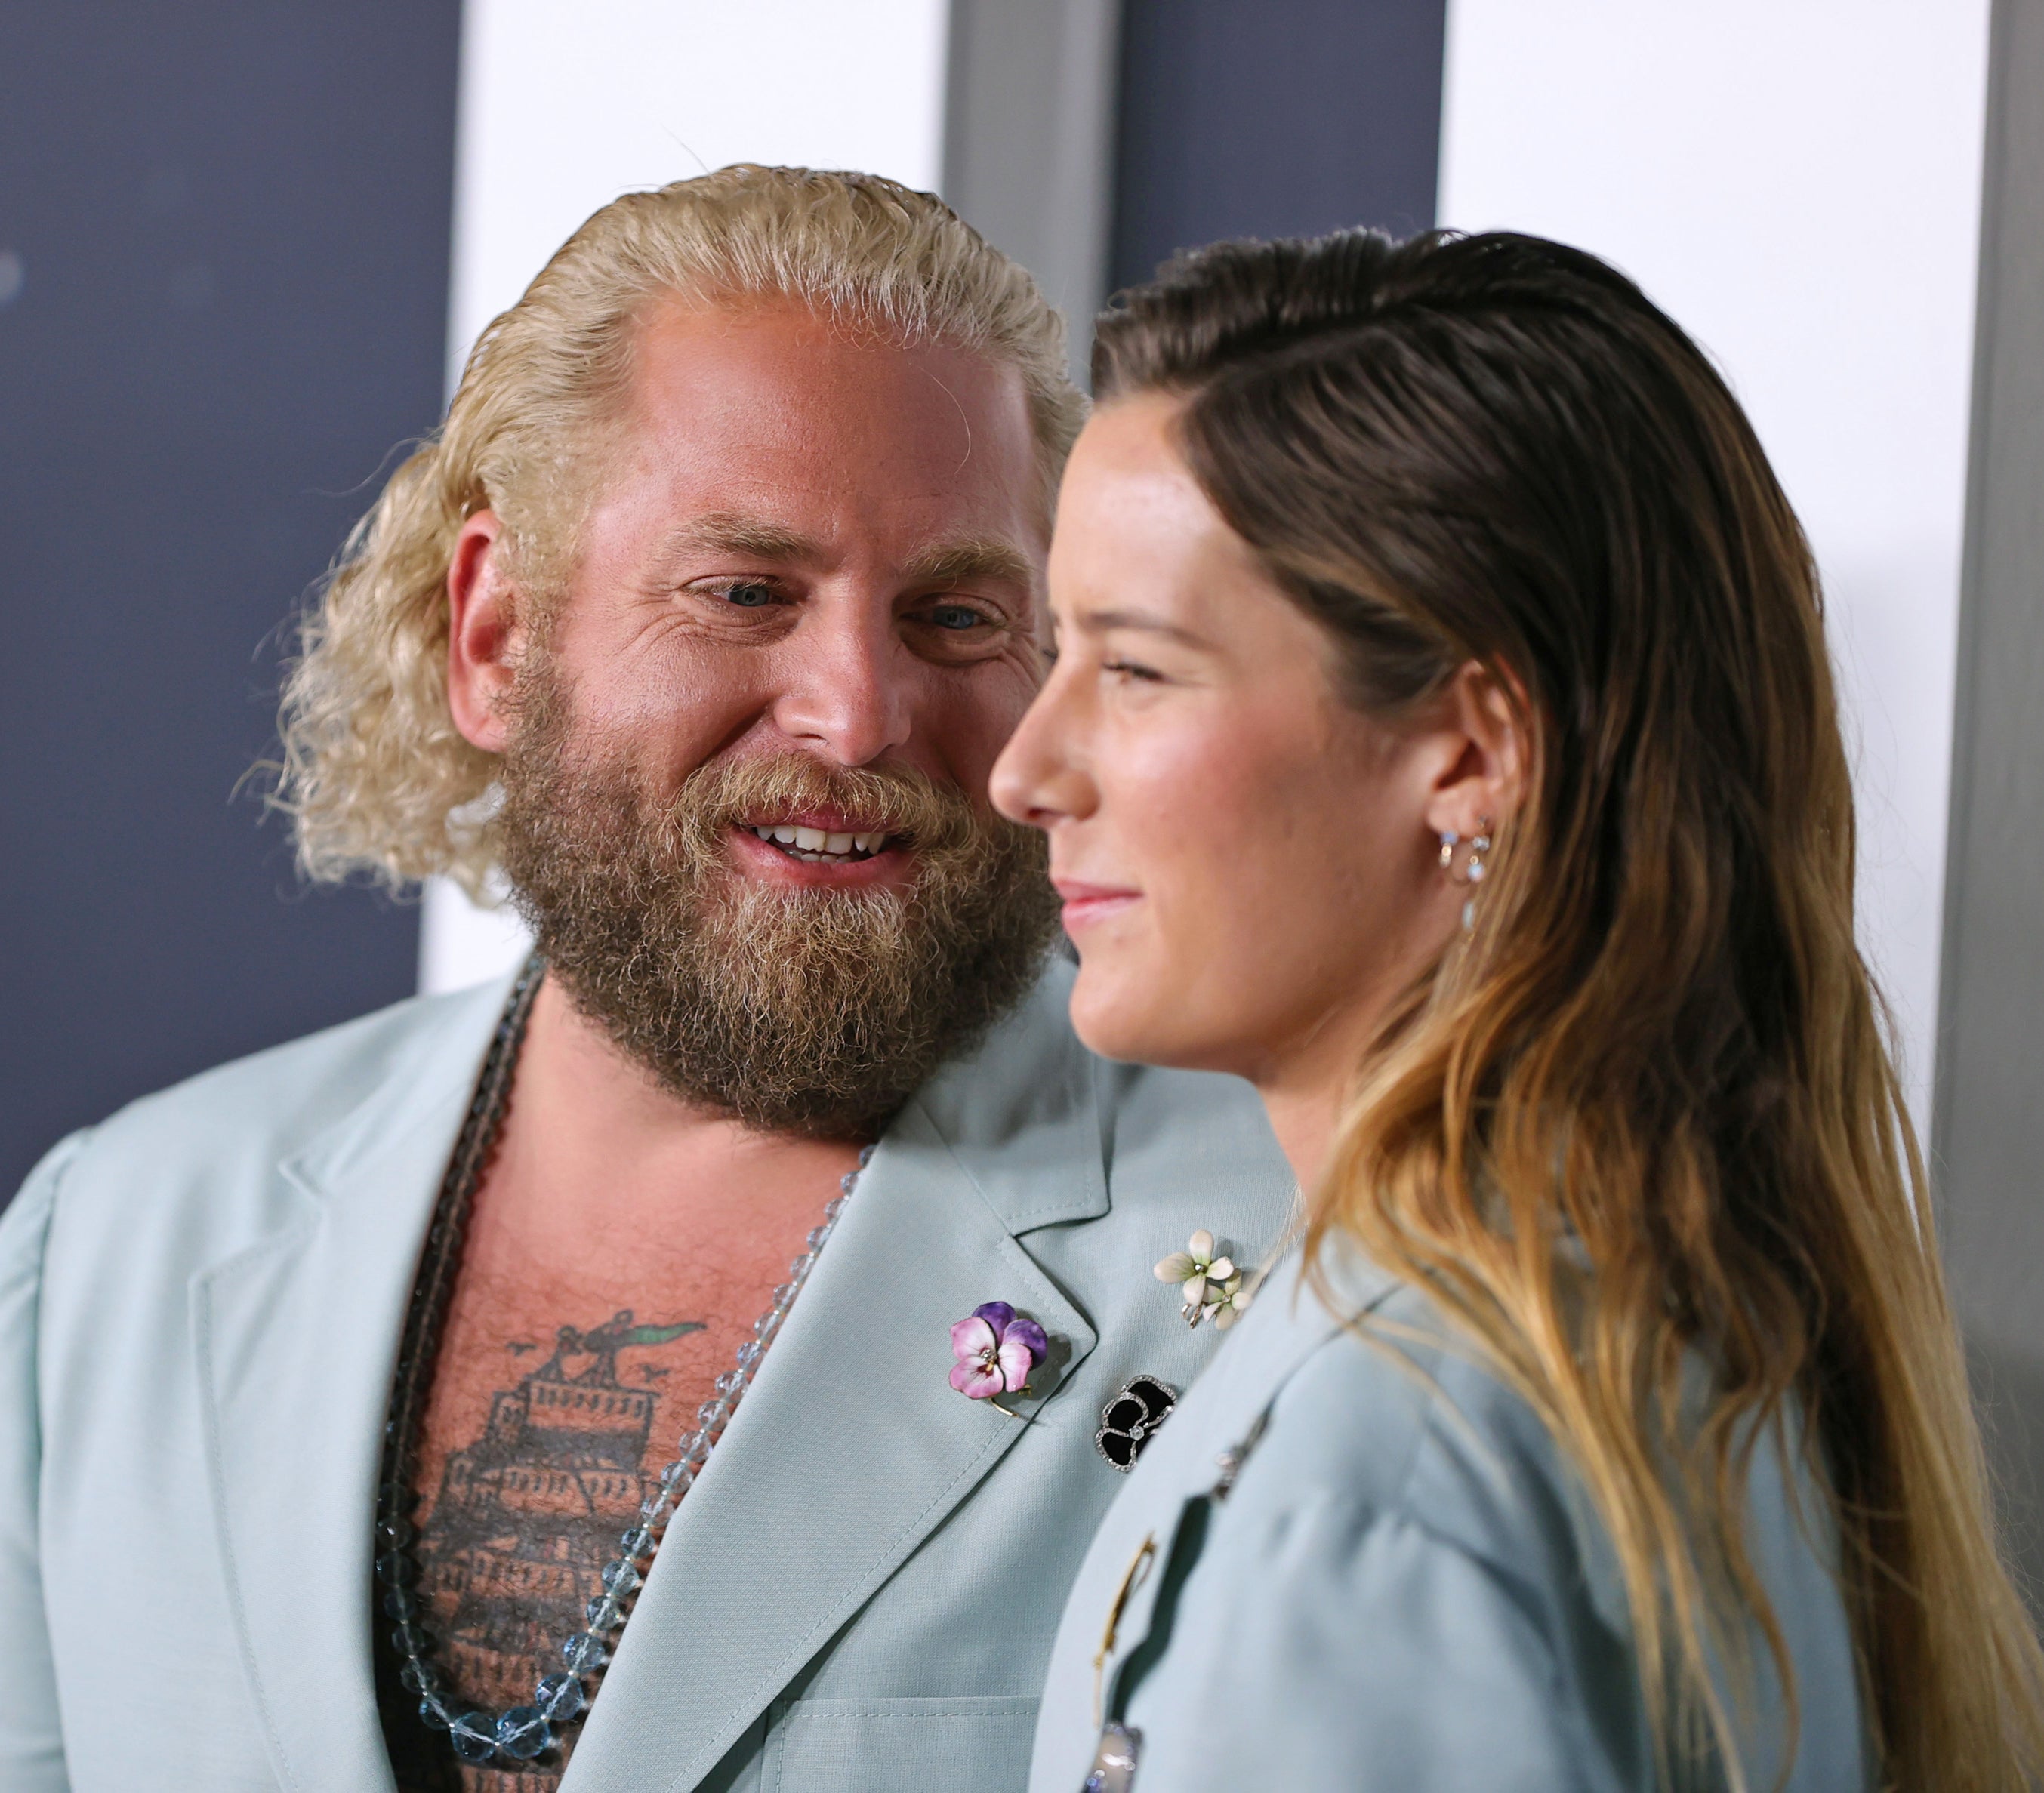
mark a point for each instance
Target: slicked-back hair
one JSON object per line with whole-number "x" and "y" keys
{"x": 377, "y": 779}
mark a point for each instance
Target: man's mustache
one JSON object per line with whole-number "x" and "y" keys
{"x": 904, "y": 802}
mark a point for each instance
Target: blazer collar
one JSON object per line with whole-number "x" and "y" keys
{"x": 851, "y": 1446}
{"x": 296, "y": 1338}
{"x": 1022, "y": 1115}
{"x": 849, "y": 1449}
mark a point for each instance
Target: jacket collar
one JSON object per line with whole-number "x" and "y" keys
{"x": 849, "y": 1449}
{"x": 1022, "y": 1115}
{"x": 296, "y": 1338}
{"x": 851, "y": 1446}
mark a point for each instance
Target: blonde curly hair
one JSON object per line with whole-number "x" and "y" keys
{"x": 375, "y": 775}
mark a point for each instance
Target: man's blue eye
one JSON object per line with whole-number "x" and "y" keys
{"x": 750, "y": 597}
{"x": 955, "y": 616}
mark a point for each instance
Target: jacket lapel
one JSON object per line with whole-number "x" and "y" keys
{"x": 296, "y": 1338}
{"x": 851, "y": 1446}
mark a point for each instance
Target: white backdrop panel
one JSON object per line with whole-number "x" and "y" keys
{"x": 1797, "y": 182}
{"x": 564, "y": 107}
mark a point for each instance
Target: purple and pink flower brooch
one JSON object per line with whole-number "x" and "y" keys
{"x": 996, "y": 1352}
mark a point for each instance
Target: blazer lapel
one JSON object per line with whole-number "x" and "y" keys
{"x": 296, "y": 1338}
{"x": 851, "y": 1446}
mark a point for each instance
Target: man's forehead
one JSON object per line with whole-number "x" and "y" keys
{"x": 680, "y": 340}
{"x": 764, "y": 434}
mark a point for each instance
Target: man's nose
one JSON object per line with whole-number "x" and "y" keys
{"x": 847, "y": 684}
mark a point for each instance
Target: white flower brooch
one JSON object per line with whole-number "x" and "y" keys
{"x": 1213, "y": 1287}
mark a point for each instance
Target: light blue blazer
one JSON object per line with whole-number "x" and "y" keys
{"x": 1403, "y": 1590}
{"x": 199, "y": 1309}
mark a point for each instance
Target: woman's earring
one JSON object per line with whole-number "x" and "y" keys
{"x": 1473, "y": 874}
{"x": 1475, "y": 866}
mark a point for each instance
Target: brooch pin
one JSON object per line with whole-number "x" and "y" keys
{"x": 1214, "y": 1289}
{"x": 996, "y": 1352}
{"x": 1127, "y": 1422}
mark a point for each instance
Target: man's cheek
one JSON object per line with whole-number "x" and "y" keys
{"x": 982, "y": 731}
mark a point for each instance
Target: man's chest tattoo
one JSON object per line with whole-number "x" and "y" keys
{"x": 513, "y": 1541}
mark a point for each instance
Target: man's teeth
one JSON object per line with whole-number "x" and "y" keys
{"x": 814, "y": 844}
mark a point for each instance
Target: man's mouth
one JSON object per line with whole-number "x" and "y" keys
{"x": 816, "y": 846}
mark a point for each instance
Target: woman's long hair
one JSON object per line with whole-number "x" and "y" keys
{"x": 1642, "y": 1114}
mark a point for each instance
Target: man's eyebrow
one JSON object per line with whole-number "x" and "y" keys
{"x": 749, "y": 538}
{"x": 973, "y": 560}
{"x": 1099, "y": 622}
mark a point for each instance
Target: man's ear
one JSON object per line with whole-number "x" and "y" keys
{"x": 1483, "y": 784}
{"x": 485, "y": 633}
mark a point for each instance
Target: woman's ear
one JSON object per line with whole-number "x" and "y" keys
{"x": 1485, "y": 783}
{"x": 485, "y": 635}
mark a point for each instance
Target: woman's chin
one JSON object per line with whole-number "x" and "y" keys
{"x": 1122, "y": 1020}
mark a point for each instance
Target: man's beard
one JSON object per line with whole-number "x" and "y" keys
{"x": 803, "y": 1010}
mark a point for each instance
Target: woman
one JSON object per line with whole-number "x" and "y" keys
{"x": 1442, "y": 737}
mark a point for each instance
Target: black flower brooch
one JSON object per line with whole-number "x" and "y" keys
{"x": 1127, "y": 1422}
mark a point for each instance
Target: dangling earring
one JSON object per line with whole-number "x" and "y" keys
{"x": 1473, "y": 873}
{"x": 1474, "y": 867}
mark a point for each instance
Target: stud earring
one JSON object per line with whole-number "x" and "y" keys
{"x": 1449, "y": 841}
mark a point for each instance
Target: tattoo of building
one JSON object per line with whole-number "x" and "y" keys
{"x": 528, "y": 1515}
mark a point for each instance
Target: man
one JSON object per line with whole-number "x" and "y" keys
{"x": 432, "y": 1399}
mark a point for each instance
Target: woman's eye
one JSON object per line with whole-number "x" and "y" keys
{"x": 1130, "y": 669}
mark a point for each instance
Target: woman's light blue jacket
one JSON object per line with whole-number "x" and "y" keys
{"x": 1404, "y": 1588}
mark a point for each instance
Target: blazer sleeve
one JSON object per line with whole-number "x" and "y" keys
{"x": 1367, "y": 1653}
{"x": 31, "y": 1757}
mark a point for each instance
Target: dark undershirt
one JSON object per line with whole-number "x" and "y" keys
{"x": 423, "y": 1760}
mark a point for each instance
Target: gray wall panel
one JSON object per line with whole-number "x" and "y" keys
{"x": 1028, "y": 141}
{"x": 1989, "y": 1125}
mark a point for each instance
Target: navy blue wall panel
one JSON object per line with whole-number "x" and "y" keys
{"x": 224, "y": 235}
{"x": 1279, "y": 118}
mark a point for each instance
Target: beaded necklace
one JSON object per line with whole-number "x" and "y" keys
{"x": 524, "y": 1733}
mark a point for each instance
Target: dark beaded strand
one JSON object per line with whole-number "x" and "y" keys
{"x": 396, "y": 1501}
{"x": 526, "y": 1732}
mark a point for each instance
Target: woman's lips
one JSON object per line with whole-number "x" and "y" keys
{"x": 1085, "y": 903}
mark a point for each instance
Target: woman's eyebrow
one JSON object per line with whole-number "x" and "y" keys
{"x": 1099, "y": 622}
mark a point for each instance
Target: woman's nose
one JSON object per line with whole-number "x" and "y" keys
{"x": 1040, "y": 777}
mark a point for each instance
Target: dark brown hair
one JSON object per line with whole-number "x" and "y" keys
{"x": 1659, "y": 1039}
